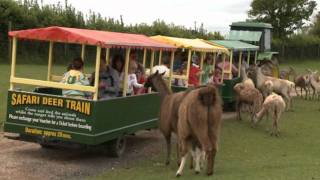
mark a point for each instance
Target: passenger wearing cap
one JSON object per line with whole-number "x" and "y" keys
{"x": 195, "y": 72}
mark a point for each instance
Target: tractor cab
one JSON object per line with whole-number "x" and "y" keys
{"x": 260, "y": 34}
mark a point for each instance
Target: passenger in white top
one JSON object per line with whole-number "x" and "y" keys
{"x": 132, "y": 78}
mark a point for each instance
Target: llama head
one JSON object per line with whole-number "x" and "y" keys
{"x": 152, "y": 79}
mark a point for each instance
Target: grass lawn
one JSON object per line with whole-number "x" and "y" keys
{"x": 247, "y": 153}
{"x": 300, "y": 66}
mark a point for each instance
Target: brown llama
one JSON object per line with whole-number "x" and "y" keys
{"x": 199, "y": 124}
{"x": 170, "y": 103}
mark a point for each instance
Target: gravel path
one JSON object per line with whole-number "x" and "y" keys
{"x": 22, "y": 160}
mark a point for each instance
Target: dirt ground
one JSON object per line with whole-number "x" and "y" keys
{"x": 23, "y": 160}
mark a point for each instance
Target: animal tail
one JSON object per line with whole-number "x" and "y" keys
{"x": 208, "y": 95}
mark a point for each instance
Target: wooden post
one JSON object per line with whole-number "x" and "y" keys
{"x": 201, "y": 66}
{"x": 239, "y": 63}
{"x": 230, "y": 67}
{"x": 214, "y": 61}
{"x": 50, "y": 61}
{"x": 96, "y": 77}
{"x": 10, "y": 42}
{"x": 223, "y": 64}
{"x": 171, "y": 68}
{"x": 83, "y": 51}
{"x": 151, "y": 66}
{"x": 144, "y": 57}
{"x": 160, "y": 57}
{"x": 126, "y": 73}
{"x": 152, "y": 61}
{"x": 108, "y": 56}
{"x": 13, "y": 61}
{"x": 255, "y": 57}
{"x": 248, "y": 58}
{"x": 188, "y": 68}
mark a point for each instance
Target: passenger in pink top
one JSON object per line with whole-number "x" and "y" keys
{"x": 226, "y": 68}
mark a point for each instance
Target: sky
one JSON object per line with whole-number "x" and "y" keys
{"x": 216, "y": 15}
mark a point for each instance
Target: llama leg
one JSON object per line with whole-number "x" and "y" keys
{"x": 203, "y": 159}
{"x": 259, "y": 115}
{"x": 295, "y": 87}
{"x": 274, "y": 122}
{"x": 288, "y": 101}
{"x": 238, "y": 109}
{"x": 277, "y": 120}
{"x": 178, "y": 155}
{"x": 168, "y": 141}
{"x": 211, "y": 157}
{"x": 184, "y": 154}
{"x": 193, "y": 157}
{"x": 183, "y": 162}
{"x": 198, "y": 154}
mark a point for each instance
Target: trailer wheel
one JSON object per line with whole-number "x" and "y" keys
{"x": 46, "y": 146}
{"x": 117, "y": 146}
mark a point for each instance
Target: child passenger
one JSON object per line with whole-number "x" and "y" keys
{"x": 195, "y": 72}
{"x": 75, "y": 76}
{"x": 132, "y": 78}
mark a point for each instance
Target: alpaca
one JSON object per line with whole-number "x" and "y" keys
{"x": 267, "y": 88}
{"x": 245, "y": 80}
{"x": 285, "y": 73}
{"x": 199, "y": 124}
{"x": 302, "y": 81}
{"x": 247, "y": 95}
{"x": 276, "y": 105}
{"x": 315, "y": 84}
{"x": 280, "y": 86}
{"x": 170, "y": 103}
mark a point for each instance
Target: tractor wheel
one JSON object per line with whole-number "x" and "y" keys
{"x": 117, "y": 147}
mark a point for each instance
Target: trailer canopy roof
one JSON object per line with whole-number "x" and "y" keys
{"x": 193, "y": 44}
{"x": 235, "y": 45}
{"x": 91, "y": 37}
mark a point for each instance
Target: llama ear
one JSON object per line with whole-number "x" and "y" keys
{"x": 163, "y": 73}
{"x": 157, "y": 72}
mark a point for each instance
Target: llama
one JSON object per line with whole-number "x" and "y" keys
{"x": 199, "y": 124}
{"x": 276, "y": 105}
{"x": 247, "y": 95}
{"x": 280, "y": 86}
{"x": 170, "y": 103}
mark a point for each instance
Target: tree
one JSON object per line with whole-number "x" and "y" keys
{"x": 315, "y": 28}
{"x": 286, "y": 16}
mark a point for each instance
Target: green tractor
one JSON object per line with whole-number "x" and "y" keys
{"x": 259, "y": 34}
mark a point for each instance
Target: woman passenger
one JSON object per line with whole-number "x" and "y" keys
{"x": 107, "y": 84}
{"x": 116, "y": 71}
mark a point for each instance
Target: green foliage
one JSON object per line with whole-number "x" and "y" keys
{"x": 315, "y": 28}
{"x": 298, "y": 45}
{"x": 24, "y": 14}
{"x": 286, "y": 16}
